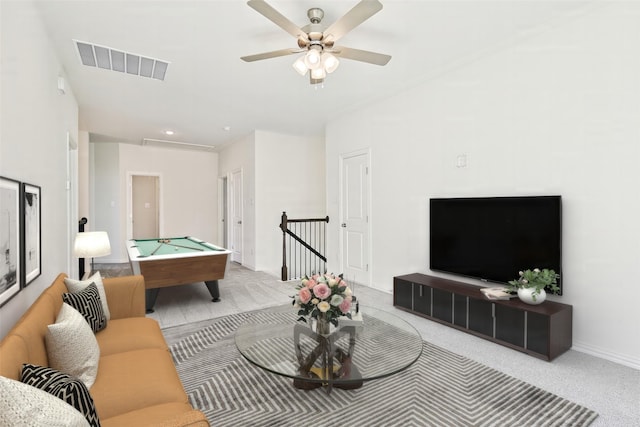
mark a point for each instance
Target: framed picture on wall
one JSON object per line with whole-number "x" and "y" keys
{"x": 31, "y": 237}
{"x": 10, "y": 274}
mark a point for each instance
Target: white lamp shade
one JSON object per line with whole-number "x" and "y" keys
{"x": 329, "y": 62}
{"x": 318, "y": 73}
{"x": 312, "y": 58}
{"x": 300, "y": 66}
{"x": 91, "y": 244}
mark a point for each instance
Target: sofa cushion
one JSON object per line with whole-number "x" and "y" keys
{"x": 173, "y": 414}
{"x": 135, "y": 333}
{"x": 24, "y": 405}
{"x": 64, "y": 387}
{"x": 78, "y": 285}
{"x": 134, "y": 380}
{"x": 72, "y": 347}
{"x": 87, "y": 302}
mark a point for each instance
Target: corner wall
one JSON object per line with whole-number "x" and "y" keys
{"x": 280, "y": 173}
{"x": 34, "y": 121}
{"x": 555, "y": 114}
{"x": 291, "y": 178}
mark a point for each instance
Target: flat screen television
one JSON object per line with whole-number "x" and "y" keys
{"x": 492, "y": 238}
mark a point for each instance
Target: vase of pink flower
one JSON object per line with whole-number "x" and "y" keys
{"x": 325, "y": 298}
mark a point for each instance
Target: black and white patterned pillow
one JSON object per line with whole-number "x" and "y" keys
{"x": 63, "y": 386}
{"x": 88, "y": 303}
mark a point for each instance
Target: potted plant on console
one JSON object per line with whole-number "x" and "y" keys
{"x": 531, "y": 285}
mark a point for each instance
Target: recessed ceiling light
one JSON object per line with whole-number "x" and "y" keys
{"x": 226, "y": 128}
{"x": 168, "y": 132}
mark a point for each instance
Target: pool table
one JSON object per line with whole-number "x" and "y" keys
{"x": 177, "y": 261}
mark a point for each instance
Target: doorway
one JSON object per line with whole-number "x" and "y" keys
{"x": 235, "y": 205}
{"x": 223, "y": 211}
{"x": 72, "y": 203}
{"x": 354, "y": 217}
{"x": 145, "y": 206}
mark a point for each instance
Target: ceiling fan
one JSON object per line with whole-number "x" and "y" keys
{"x": 318, "y": 42}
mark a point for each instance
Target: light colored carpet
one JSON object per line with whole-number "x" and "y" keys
{"x": 440, "y": 389}
{"x": 610, "y": 389}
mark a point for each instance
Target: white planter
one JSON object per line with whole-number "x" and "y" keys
{"x": 526, "y": 295}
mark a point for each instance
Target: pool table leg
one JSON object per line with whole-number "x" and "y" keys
{"x": 214, "y": 290}
{"x": 150, "y": 298}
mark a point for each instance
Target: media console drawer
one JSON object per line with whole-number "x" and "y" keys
{"x": 543, "y": 331}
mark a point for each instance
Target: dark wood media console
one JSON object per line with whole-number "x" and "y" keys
{"x": 543, "y": 331}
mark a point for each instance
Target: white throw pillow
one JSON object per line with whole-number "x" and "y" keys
{"x": 72, "y": 347}
{"x": 76, "y": 286}
{"x": 24, "y": 405}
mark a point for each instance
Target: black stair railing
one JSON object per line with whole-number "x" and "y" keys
{"x": 304, "y": 243}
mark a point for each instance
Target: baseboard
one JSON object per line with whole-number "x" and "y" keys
{"x": 621, "y": 359}
{"x": 112, "y": 261}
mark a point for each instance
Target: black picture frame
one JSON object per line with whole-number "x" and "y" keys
{"x": 31, "y": 204}
{"x": 10, "y": 239}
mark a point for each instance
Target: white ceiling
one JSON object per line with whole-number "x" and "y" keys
{"x": 208, "y": 87}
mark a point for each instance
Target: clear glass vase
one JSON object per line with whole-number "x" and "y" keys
{"x": 323, "y": 326}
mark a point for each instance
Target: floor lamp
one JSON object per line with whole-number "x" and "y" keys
{"x": 91, "y": 244}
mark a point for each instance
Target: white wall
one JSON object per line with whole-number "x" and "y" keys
{"x": 557, "y": 114}
{"x": 34, "y": 121}
{"x": 188, "y": 191}
{"x": 105, "y": 198}
{"x": 290, "y": 177}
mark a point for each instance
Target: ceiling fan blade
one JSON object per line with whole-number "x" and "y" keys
{"x": 272, "y": 54}
{"x": 360, "y": 55}
{"x": 277, "y": 18}
{"x": 356, "y": 16}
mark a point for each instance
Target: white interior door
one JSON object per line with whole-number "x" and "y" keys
{"x": 145, "y": 210}
{"x": 354, "y": 214}
{"x": 223, "y": 212}
{"x": 235, "y": 203}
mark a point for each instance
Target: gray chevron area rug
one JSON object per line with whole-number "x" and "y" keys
{"x": 440, "y": 389}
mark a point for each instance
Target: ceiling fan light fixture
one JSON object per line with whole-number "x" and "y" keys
{"x": 319, "y": 41}
{"x": 312, "y": 58}
{"x": 300, "y": 66}
{"x": 329, "y": 62}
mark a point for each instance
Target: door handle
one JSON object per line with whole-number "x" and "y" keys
{"x": 239, "y": 222}
{"x": 343, "y": 225}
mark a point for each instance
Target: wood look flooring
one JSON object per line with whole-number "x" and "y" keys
{"x": 611, "y": 389}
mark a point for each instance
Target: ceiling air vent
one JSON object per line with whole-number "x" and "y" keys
{"x": 93, "y": 55}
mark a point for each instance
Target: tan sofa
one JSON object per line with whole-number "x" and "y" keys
{"x": 137, "y": 383}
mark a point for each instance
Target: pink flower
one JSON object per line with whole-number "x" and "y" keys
{"x": 322, "y": 291}
{"x": 305, "y": 295}
{"x": 346, "y": 305}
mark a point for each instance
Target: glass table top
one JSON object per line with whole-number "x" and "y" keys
{"x": 373, "y": 345}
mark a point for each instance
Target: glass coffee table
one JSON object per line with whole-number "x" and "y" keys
{"x": 374, "y": 345}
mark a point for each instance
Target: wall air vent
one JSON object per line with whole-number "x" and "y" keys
{"x": 93, "y": 55}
